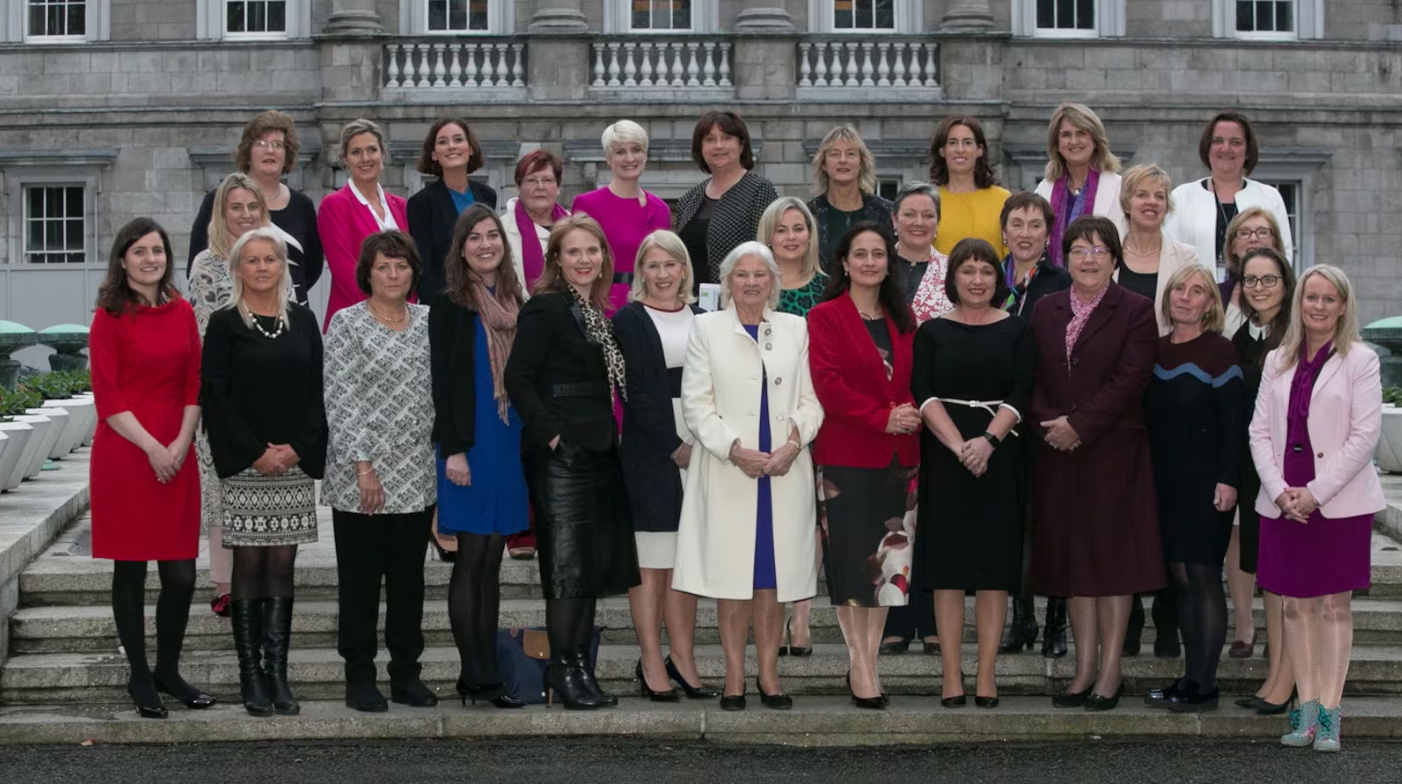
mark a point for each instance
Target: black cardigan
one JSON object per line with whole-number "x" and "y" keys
{"x": 432, "y": 215}
{"x": 557, "y": 378}
{"x": 735, "y": 220}
{"x": 298, "y": 218}
{"x": 257, "y": 391}
{"x": 874, "y": 209}
{"x": 452, "y": 347}
{"x": 649, "y": 432}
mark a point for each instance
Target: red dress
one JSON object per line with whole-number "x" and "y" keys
{"x": 146, "y": 361}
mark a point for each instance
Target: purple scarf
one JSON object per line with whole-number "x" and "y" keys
{"x": 1084, "y": 204}
{"x": 532, "y": 257}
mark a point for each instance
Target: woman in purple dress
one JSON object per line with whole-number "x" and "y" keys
{"x": 1318, "y": 418}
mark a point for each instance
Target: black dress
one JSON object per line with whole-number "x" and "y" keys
{"x": 298, "y": 219}
{"x": 1250, "y": 344}
{"x": 1193, "y": 410}
{"x": 972, "y": 526}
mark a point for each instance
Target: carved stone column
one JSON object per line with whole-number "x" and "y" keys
{"x": 559, "y": 16}
{"x": 354, "y": 17}
{"x": 967, "y": 16}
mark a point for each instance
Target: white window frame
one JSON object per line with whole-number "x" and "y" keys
{"x": 705, "y": 19}
{"x": 909, "y": 19}
{"x": 19, "y": 180}
{"x": 211, "y": 17}
{"x": 1109, "y": 21}
{"x": 24, "y": 251}
{"x": 14, "y": 24}
{"x": 413, "y": 19}
{"x": 1309, "y": 22}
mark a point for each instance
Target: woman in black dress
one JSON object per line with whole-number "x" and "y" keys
{"x": 450, "y": 153}
{"x": 972, "y": 381}
{"x": 1268, "y": 288}
{"x": 1193, "y": 409}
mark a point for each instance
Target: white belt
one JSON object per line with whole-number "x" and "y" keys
{"x": 987, "y": 405}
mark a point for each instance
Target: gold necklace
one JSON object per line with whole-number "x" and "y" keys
{"x": 388, "y": 319}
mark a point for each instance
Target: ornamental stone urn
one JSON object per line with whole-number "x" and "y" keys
{"x": 68, "y": 342}
{"x": 13, "y": 337}
{"x": 1387, "y": 333}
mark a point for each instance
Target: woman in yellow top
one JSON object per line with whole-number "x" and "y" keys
{"x": 970, "y": 199}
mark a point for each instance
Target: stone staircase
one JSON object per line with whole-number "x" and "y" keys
{"x": 63, "y": 647}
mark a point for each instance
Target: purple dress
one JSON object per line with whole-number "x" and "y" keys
{"x": 766, "y": 575}
{"x": 1323, "y": 556}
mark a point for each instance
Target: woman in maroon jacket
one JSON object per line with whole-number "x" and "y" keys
{"x": 1095, "y": 513}
{"x": 859, "y": 353}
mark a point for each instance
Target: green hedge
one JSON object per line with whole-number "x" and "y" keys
{"x": 33, "y": 391}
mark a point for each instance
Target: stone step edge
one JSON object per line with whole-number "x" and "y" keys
{"x": 814, "y": 721}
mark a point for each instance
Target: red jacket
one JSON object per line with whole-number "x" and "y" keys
{"x": 851, "y": 383}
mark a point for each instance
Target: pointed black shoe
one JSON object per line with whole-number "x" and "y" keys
{"x": 1022, "y": 631}
{"x": 248, "y": 639}
{"x": 188, "y": 695}
{"x": 493, "y": 693}
{"x": 1072, "y": 699}
{"x": 1264, "y": 708}
{"x": 1096, "y": 703}
{"x": 732, "y": 702}
{"x": 1194, "y": 700}
{"x": 692, "y": 692}
{"x": 985, "y": 702}
{"x": 363, "y": 696}
{"x": 412, "y": 692}
{"x": 148, "y": 704}
{"x": 1054, "y": 632}
{"x": 1162, "y": 697}
{"x": 277, "y": 616}
{"x": 669, "y": 695}
{"x": 778, "y": 701}
{"x": 958, "y": 701}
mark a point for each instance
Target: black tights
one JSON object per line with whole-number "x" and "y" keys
{"x": 1202, "y": 618}
{"x": 474, "y": 606}
{"x": 172, "y": 615}
{"x": 569, "y": 623}
{"x": 263, "y": 572}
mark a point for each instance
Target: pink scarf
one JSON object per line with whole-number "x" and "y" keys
{"x": 1080, "y": 314}
{"x": 532, "y": 257}
{"x": 1083, "y": 205}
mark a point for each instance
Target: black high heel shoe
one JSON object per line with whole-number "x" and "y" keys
{"x": 669, "y": 695}
{"x": 1072, "y": 699}
{"x": 779, "y": 701}
{"x": 148, "y": 706}
{"x": 870, "y": 703}
{"x": 692, "y": 692}
{"x": 494, "y": 693}
{"x": 1194, "y": 700}
{"x": 1264, "y": 708}
{"x": 188, "y": 695}
{"x": 446, "y": 556}
{"x": 985, "y": 702}
{"x": 1096, "y": 703}
{"x": 793, "y": 650}
{"x": 1022, "y": 632}
{"x": 565, "y": 679}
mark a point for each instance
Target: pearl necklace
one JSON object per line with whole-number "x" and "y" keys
{"x": 277, "y": 331}
{"x": 389, "y": 319}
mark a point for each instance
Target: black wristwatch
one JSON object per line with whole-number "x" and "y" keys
{"x": 992, "y": 439}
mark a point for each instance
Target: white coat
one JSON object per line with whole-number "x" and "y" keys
{"x": 720, "y": 402}
{"x": 1194, "y": 217}
{"x": 513, "y": 241}
{"x": 1107, "y": 199}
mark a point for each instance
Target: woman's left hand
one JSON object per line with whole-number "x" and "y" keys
{"x": 1060, "y": 435}
{"x": 1224, "y": 498}
{"x": 975, "y": 455}
{"x": 781, "y": 459}
{"x": 1305, "y": 504}
{"x": 286, "y": 456}
{"x": 372, "y": 493}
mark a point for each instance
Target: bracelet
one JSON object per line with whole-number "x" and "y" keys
{"x": 992, "y": 439}
{"x": 796, "y": 444}
{"x": 365, "y": 472}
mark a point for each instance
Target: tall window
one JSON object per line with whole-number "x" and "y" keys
{"x": 1265, "y": 16}
{"x": 864, "y": 14}
{"x": 256, "y": 17}
{"x": 1066, "y": 15}
{"x": 458, "y": 15}
{"x": 1290, "y": 194}
{"x": 58, "y": 18}
{"x": 661, "y": 14}
{"x": 54, "y": 224}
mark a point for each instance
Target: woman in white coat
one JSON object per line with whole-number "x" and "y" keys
{"x": 747, "y": 532}
{"x": 1081, "y": 177}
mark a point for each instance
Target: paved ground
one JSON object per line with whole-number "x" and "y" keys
{"x": 553, "y": 760}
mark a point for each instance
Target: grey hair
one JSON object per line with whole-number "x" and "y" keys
{"x": 669, "y": 243}
{"x": 272, "y": 235}
{"x": 751, "y": 248}
{"x": 917, "y": 188}
{"x": 354, "y": 128}
{"x": 624, "y": 131}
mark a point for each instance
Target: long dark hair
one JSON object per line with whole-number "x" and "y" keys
{"x": 1275, "y": 331}
{"x": 115, "y": 295}
{"x": 891, "y": 295}
{"x": 460, "y": 276}
{"x": 985, "y": 174}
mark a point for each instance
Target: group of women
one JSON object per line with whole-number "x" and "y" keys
{"x": 1058, "y": 375}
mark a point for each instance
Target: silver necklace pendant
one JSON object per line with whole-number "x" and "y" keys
{"x": 275, "y": 334}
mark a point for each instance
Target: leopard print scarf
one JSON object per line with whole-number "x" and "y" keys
{"x": 600, "y": 330}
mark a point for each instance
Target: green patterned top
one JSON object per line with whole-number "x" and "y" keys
{"x": 800, "y": 300}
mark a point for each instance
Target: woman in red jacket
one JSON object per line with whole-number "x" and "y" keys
{"x": 860, "y": 358}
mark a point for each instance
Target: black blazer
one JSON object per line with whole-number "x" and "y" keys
{"x": 735, "y": 220}
{"x": 649, "y": 429}
{"x": 874, "y": 208}
{"x": 452, "y": 349}
{"x": 557, "y": 378}
{"x": 432, "y": 216}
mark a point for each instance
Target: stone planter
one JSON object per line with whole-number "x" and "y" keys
{"x": 60, "y": 418}
{"x": 19, "y": 434}
{"x": 1389, "y": 450}
{"x": 68, "y": 342}
{"x": 76, "y": 428}
{"x": 92, "y": 423}
{"x": 37, "y": 451}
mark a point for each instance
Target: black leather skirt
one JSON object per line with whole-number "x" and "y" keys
{"x": 584, "y": 530}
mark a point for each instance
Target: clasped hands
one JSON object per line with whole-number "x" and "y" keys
{"x": 167, "y": 460}
{"x": 1060, "y": 435}
{"x": 904, "y": 419}
{"x": 1298, "y": 503}
{"x": 276, "y": 459}
{"x": 756, "y": 464}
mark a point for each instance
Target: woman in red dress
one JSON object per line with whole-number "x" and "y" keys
{"x": 145, "y": 354}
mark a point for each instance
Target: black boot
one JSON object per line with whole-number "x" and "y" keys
{"x": 1022, "y": 632}
{"x": 1165, "y": 615}
{"x": 1136, "y": 627}
{"x": 278, "y": 618}
{"x": 1054, "y": 632}
{"x": 581, "y": 658}
{"x": 565, "y": 679}
{"x": 248, "y": 639}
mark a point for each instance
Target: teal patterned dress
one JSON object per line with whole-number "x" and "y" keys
{"x": 800, "y": 300}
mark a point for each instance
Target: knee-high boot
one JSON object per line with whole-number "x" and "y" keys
{"x": 248, "y": 640}
{"x": 278, "y": 612}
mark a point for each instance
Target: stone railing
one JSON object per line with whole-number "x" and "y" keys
{"x": 664, "y": 63}
{"x": 832, "y": 66}
{"x": 456, "y": 63}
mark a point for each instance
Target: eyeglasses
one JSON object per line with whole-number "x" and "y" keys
{"x": 1263, "y": 233}
{"x": 264, "y": 144}
{"x": 538, "y": 182}
{"x": 1269, "y": 281}
{"x": 1081, "y": 252}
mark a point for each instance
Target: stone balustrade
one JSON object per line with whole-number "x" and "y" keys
{"x": 829, "y": 66}
{"x": 456, "y": 63}
{"x": 669, "y": 62}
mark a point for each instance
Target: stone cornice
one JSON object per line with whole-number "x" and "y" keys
{"x": 104, "y": 157}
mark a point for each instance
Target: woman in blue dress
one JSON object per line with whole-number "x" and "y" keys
{"x": 481, "y": 487}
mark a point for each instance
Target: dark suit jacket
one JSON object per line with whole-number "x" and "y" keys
{"x": 452, "y": 344}
{"x": 557, "y": 378}
{"x": 735, "y": 220}
{"x": 432, "y": 215}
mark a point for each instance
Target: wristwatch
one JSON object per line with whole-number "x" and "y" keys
{"x": 992, "y": 439}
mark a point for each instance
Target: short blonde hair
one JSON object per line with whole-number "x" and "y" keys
{"x": 624, "y": 131}
{"x": 284, "y": 289}
{"x": 1346, "y": 332}
{"x": 1229, "y": 257}
{"x": 732, "y": 259}
{"x": 1214, "y": 319}
{"x": 667, "y": 242}
{"x": 1082, "y": 117}
{"x": 219, "y": 240}
{"x": 1136, "y": 176}
{"x": 769, "y": 223}
{"x": 866, "y": 176}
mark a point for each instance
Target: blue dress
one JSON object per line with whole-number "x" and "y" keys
{"x": 765, "y": 576}
{"x": 495, "y": 502}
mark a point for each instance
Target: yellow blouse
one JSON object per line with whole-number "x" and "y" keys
{"x": 971, "y": 215}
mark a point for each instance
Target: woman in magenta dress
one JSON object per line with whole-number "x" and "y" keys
{"x": 1318, "y": 418}
{"x": 626, "y": 212}
{"x": 145, "y": 483}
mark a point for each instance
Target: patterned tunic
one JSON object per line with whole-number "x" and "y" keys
{"x": 379, "y": 407}
{"x": 802, "y": 299}
{"x": 930, "y": 299}
{"x": 211, "y": 287}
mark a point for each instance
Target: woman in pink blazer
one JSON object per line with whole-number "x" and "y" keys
{"x": 1318, "y": 418}
{"x": 356, "y": 211}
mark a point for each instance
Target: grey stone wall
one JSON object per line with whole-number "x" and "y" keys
{"x": 153, "y": 20}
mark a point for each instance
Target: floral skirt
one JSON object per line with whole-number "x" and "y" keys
{"x": 211, "y": 489}
{"x": 267, "y": 511}
{"x": 868, "y": 529}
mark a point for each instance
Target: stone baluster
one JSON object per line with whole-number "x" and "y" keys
{"x": 931, "y": 69}
{"x": 724, "y": 64}
{"x": 454, "y": 65}
{"x": 503, "y": 67}
{"x": 917, "y": 52}
{"x": 392, "y": 68}
{"x": 645, "y": 64}
{"x": 693, "y": 70}
{"x": 630, "y": 64}
{"x": 470, "y": 77}
{"x": 440, "y": 71}
{"x": 518, "y": 70}
{"x": 820, "y": 64}
{"x": 854, "y": 65}
{"x": 867, "y": 81}
{"x": 805, "y": 71}
{"x": 614, "y": 69}
{"x": 598, "y": 65}
{"x": 883, "y": 67}
{"x": 678, "y": 64}
{"x": 898, "y": 64}
{"x": 425, "y": 71}
{"x": 708, "y": 70}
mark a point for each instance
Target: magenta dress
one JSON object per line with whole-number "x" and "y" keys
{"x": 1323, "y": 556}
{"x": 626, "y": 223}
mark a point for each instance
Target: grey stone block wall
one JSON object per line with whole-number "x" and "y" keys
{"x": 153, "y": 20}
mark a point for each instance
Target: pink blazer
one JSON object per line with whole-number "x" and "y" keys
{"x": 1345, "y": 423}
{"x": 343, "y": 225}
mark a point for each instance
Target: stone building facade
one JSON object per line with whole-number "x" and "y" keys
{"x": 110, "y": 109}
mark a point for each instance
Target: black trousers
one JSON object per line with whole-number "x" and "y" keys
{"x": 371, "y": 548}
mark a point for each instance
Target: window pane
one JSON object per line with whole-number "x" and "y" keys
{"x": 457, "y": 14}
{"x": 1285, "y": 17}
{"x": 1245, "y": 22}
{"x": 842, "y": 16}
{"x": 1085, "y": 15}
{"x": 864, "y": 16}
{"x": 477, "y": 19}
{"x": 437, "y": 15}
{"x": 277, "y": 17}
{"x": 54, "y": 228}
{"x": 257, "y": 17}
{"x": 886, "y": 14}
{"x": 234, "y": 19}
{"x": 1046, "y": 13}
{"x": 681, "y": 14}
